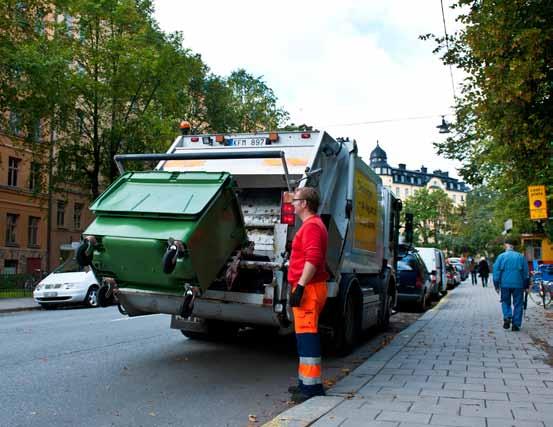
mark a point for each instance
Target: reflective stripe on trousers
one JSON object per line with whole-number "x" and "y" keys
{"x": 306, "y": 326}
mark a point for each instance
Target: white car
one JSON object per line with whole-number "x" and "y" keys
{"x": 68, "y": 284}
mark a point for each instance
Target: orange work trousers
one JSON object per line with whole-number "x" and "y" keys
{"x": 306, "y": 325}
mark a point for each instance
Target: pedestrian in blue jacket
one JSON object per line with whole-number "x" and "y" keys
{"x": 510, "y": 274}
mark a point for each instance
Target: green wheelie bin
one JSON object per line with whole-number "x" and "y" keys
{"x": 161, "y": 233}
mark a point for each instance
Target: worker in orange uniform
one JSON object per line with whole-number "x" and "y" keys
{"x": 307, "y": 275}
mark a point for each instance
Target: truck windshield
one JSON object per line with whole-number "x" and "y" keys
{"x": 69, "y": 266}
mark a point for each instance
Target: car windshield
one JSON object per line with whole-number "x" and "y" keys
{"x": 69, "y": 266}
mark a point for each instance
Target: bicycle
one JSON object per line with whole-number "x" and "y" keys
{"x": 540, "y": 291}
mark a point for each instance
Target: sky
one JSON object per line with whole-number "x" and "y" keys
{"x": 336, "y": 65}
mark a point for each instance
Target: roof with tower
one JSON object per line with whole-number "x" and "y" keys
{"x": 420, "y": 178}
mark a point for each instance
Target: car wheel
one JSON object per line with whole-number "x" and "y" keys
{"x": 91, "y": 299}
{"x": 423, "y": 302}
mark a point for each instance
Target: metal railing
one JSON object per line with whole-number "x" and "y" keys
{"x": 17, "y": 285}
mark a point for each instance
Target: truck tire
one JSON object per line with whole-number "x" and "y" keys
{"x": 386, "y": 310}
{"x": 346, "y": 329}
{"x": 216, "y": 331}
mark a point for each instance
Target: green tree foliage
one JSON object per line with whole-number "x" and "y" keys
{"x": 433, "y": 216}
{"x": 253, "y": 103}
{"x": 503, "y": 131}
{"x": 35, "y": 83}
{"x": 479, "y": 225}
{"x": 110, "y": 81}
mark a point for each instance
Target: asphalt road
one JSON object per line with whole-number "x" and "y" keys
{"x": 95, "y": 367}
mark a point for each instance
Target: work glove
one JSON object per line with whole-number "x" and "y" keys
{"x": 295, "y": 297}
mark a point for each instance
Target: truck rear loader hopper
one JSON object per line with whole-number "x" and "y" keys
{"x": 206, "y": 236}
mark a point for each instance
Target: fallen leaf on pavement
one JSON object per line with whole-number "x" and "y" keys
{"x": 252, "y": 418}
{"x": 152, "y": 414}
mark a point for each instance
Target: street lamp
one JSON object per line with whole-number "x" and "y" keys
{"x": 443, "y": 127}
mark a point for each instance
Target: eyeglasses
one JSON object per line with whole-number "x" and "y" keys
{"x": 296, "y": 200}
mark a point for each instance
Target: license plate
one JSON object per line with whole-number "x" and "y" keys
{"x": 248, "y": 142}
{"x": 50, "y": 294}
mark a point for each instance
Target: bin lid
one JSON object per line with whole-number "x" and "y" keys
{"x": 160, "y": 193}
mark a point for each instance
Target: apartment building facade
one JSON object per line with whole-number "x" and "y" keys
{"x": 24, "y": 231}
{"x": 404, "y": 182}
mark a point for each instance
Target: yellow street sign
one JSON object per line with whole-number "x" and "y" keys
{"x": 537, "y": 202}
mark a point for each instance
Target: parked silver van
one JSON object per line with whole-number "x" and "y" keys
{"x": 434, "y": 260}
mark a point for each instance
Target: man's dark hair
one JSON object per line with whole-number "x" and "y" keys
{"x": 311, "y": 197}
{"x": 511, "y": 241}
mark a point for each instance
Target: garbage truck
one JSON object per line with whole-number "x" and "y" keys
{"x": 206, "y": 235}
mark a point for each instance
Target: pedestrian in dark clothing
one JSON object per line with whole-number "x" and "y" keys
{"x": 484, "y": 271}
{"x": 510, "y": 274}
{"x": 473, "y": 269}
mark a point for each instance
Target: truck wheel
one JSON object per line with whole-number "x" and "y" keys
{"x": 346, "y": 331}
{"x": 388, "y": 305}
{"x": 216, "y": 331}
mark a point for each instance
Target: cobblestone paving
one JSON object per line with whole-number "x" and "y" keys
{"x": 455, "y": 366}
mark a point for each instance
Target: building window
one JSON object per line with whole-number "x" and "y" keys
{"x": 11, "y": 228}
{"x": 15, "y": 123}
{"x": 10, "y": 266}
{"x": 36, "y": 132}
{"x": 60, "y": 218}
{"x": 77, "y": 215}
{"x": 454, "y": 198}
{"x": 34, "y": 179}
{"x": 69, "y": 23}
{"x": 33, "y": 231}
{"x": 406, "y": 192}
{"x": 13, "y": 170}
{"x": 397, "y": 191}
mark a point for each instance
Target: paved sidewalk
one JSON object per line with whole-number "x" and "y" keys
{"x": 8, "y": 305}
{"x": 455, "y": 366}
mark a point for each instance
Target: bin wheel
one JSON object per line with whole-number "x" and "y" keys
{"x": 103, "y": 299}
{"x": 168, "y": 261}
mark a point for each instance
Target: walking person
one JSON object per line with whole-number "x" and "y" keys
{"x": 307, "y": 275}
{"x": 510, "y": 274}
{"x": 484, "y": 271}
{"x": 473, "y": 270}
